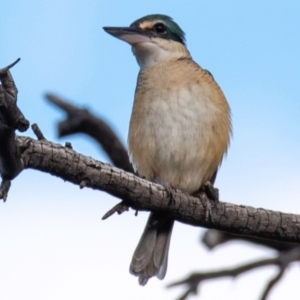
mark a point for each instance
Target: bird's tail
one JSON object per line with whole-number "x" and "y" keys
{"x": 151, "y": 255}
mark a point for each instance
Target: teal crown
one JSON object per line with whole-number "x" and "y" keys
{"x": 173, "y": 31}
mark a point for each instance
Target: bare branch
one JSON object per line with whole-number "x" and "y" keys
{"x": 82, "y": 121}
{"x": 144, "y": 195}
{"x": 37, "y": 131}
{"x": 213, "y": 238}
{"x": 194, "y": 280}
{"x": 119, "y": 208}
{"x": 4, "y": 188}
{"x": 4, "y": 70}
{"x": 18, "y": 153}
{"x": 11, "y": 119}
{"x": 283, "y": 259}
{"x": 272, "y": 283}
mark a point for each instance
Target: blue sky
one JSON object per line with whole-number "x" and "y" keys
{"x": 53, "y": 242}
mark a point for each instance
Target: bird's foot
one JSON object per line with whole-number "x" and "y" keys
{"x": 170, "y": 190}
{"x": 211, "y": 192}
{"x": 208, "y": 191}
{"x": 209, "y": 195}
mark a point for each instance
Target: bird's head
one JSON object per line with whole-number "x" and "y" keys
{"x": 153, "y": 38}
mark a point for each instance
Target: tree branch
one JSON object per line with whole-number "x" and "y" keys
{"x": 11, "y": 119}
{"x": 18, "y": 153}
{"x": 144, "y": 195}
{"x": 139, "y": 194}
{"x": 283, "y": 259}
{"x": 211, "y": 238}
{"x": 82, "y": 121}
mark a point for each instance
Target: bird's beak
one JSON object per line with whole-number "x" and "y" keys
{"x": 130, "y": 35}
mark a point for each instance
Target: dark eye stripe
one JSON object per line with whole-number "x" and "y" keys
{"x": 173, "y": 31}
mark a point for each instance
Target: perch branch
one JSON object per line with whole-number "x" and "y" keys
{"x": 71, "y": 166}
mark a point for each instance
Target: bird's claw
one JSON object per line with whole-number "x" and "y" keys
{"x": 171, "y": 191}
{"x": 211, "y": 192}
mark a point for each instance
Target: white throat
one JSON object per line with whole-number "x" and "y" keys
{"x": 149, "y": 53}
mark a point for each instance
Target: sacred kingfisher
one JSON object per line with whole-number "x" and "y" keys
{"x": 180, "y": 126}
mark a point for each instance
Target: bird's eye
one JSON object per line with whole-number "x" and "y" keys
{"x": 160, "y": 28}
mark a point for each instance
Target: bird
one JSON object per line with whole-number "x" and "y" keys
{"x": 180, "y": 127}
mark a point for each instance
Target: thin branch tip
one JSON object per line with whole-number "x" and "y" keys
{"x": 119, "y": 208}
{"x": 6, "y": 69}
{"x": 38, "y": 133}
{"x": 14, "y": 63}
{"x": 4, "y": 188}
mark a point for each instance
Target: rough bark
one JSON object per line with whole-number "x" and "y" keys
{"x": 71, "y": 166}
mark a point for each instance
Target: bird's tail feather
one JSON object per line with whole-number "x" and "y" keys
{"x": 151, "y": 255}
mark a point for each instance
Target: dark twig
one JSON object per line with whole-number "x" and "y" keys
{"x": 283, "y": 259}
{"x": 119, "y": 208}
{"x": 272, "y": 283}
{"x": 195, "y": 279}
{"x": 37, "y": 131}
{"x": 4, "y": 70}
{"x": 4, "y": 188}
{"x": 82, "y": 121}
